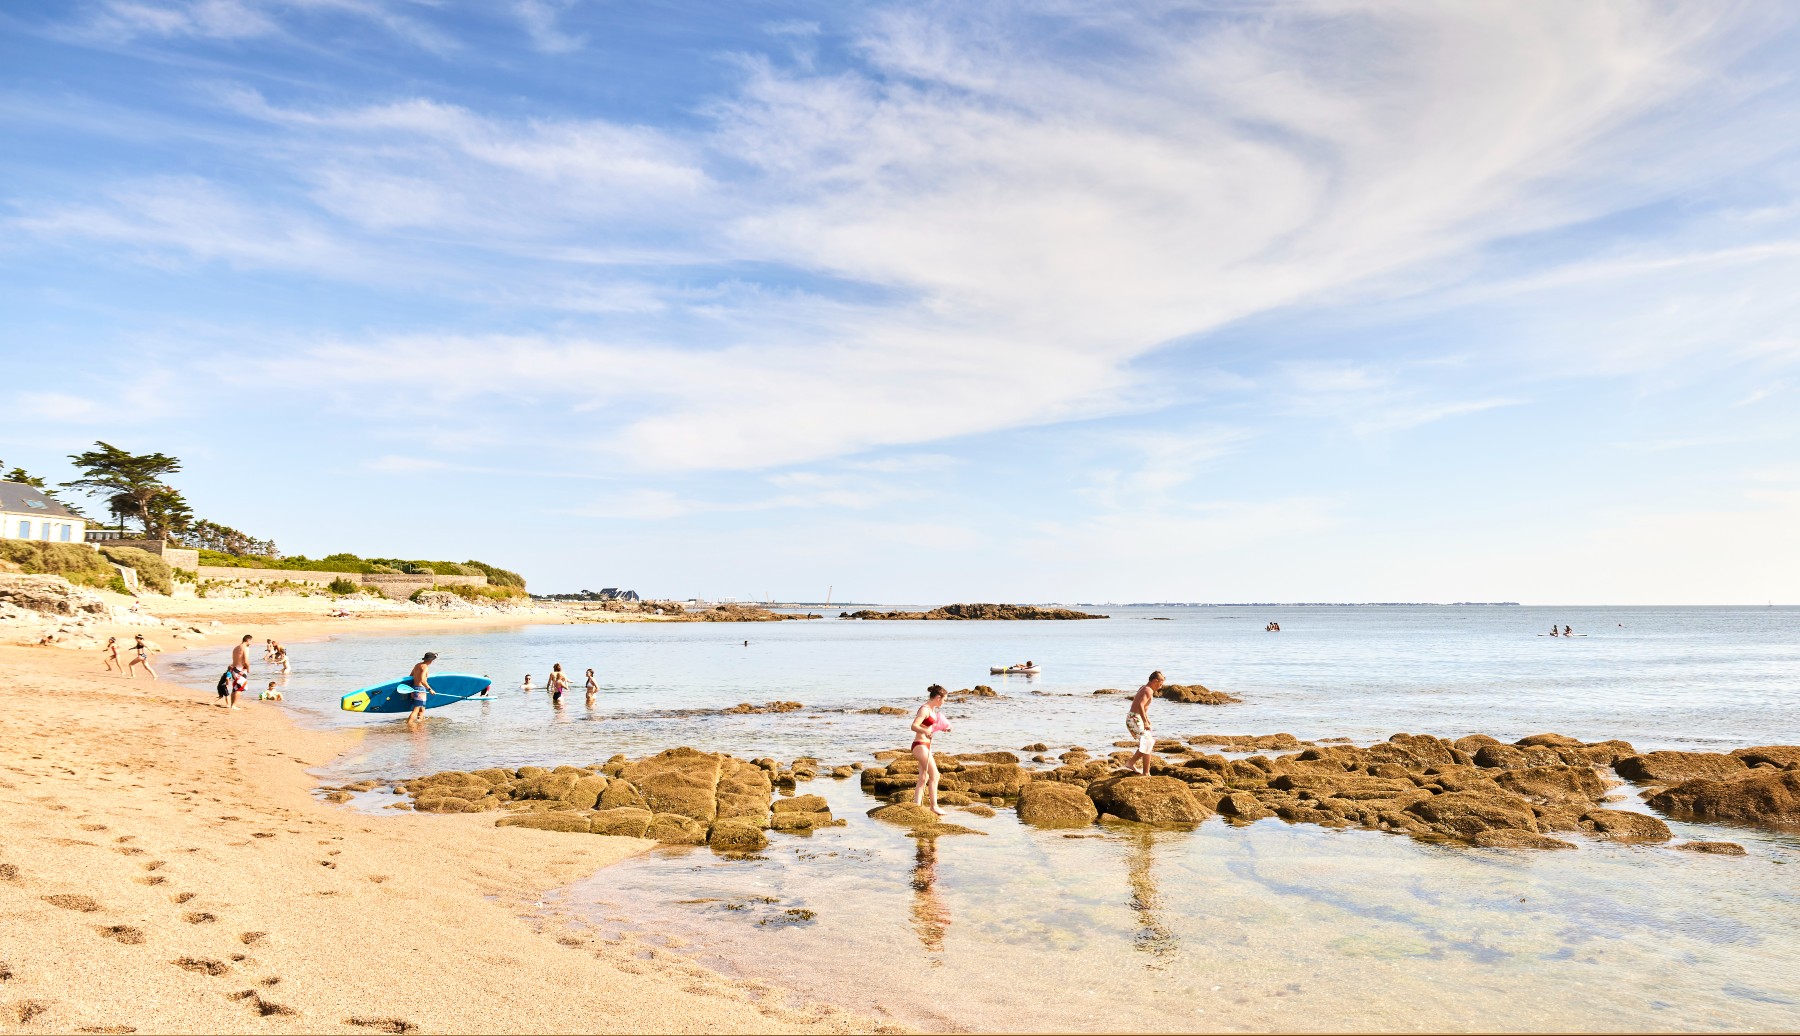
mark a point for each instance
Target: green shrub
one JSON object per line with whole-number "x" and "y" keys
{"x": 482, "y": 593}
{"x": 496, "y": 576}
{"x": 78, "y": 563}
{"x": 152, "y": 571}
{"x": 117, "y": 584}
{"x": 182, "y": 575}
{"x": 382, "y": 570}
{"x": 340, "y": 585}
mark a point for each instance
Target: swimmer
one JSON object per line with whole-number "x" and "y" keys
{"x": 591, "y": 687}
{"x": 556, "y": 684}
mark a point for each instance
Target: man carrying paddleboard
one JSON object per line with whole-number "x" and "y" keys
{"x": 421, "y": 685}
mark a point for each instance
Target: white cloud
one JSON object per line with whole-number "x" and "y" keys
{"x": 539, "y": 17}
{"x": 126, "y": 20}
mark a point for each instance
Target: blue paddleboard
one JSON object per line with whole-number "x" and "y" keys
{"x": 396, "y": 695}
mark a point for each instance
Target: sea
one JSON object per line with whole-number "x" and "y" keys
{"x": 1261, "y": 927}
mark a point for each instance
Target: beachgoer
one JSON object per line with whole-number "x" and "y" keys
{"x": 927, "y": 721}
{"x": 1553, "y": 630}
{"x": 594, "y": 688}
{"x": 1567, "y": 632}
{"x": 556, "y": 684}
{"x": 527, "y": 686}
{"x": 420, "y": 679}
{"x": 281, "y": 658}
{"x": 112, "y": 655}
{"x": 272, "y": 694}
{"x": 1137, "y": 722}
{"x": 238, "y": 674}
{"x": 140, "y": 657}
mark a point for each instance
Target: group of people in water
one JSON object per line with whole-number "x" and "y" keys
{"x": 1566, "y": 631}
{"x": 928, "y": 721}
{"x": 557, "y": 683}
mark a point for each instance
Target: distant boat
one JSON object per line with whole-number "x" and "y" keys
{"x": 1011, "y": 670}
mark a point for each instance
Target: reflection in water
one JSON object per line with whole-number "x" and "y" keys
{"x": 1153, "y": 936}
{"x": 930, "y": 914}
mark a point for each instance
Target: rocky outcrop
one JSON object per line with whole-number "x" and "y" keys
{"x": 775, "y": 706}
{"x": 985, "y": 612}
{"x": 49, "y": 595}
{"x": 1712, "y": 848}
{"x": 1163, "y": 801}
{"x": 1195, "y": 694}
{"x": 1778, "y": 756}
{"x": 1761, "y": 796}
{"x": 1623, "y": 826}
{"x": 1054, "y": 804}
{"x": 1675, "y": 767}
{"x": 627, "y": 821}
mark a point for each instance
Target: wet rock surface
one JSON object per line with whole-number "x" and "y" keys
{"x": 1194, "y": 694}
{"x": 1531, "y": 794}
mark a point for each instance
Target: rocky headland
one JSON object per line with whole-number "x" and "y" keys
{"x": 1533, "y": 793}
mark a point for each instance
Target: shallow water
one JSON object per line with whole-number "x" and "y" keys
{"x": 1269, "y": 926}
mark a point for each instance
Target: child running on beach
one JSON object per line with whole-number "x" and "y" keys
{"x": 927, "y": 721}
{"x": 141, "y": 657}
{"x": 1137, "y": 723}
{"x": 112, "y": 655}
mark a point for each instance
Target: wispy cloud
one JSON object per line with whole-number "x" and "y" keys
{"x": 541, "y": 21}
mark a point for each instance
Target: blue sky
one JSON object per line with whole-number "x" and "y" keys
{"x": 1287, "y": 301}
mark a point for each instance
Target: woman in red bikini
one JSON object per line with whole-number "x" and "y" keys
{"x": 927, "y": 721}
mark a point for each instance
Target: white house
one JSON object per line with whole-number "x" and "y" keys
{"x": 27, "y": 514}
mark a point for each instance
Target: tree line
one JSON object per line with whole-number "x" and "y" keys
{"x": 135, "y": 490}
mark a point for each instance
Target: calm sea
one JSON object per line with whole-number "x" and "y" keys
{"x": 1269, "y": 926}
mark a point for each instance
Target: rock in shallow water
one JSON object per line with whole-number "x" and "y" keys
{"x": 1762, "y": 796}
{"x": 1054, "y": 804}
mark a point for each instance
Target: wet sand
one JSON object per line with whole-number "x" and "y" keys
{"x": 167, "y": 868}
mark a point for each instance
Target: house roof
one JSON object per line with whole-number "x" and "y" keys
{"x": 19, "y": 498}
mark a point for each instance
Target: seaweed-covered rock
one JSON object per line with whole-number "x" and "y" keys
{"x": 1467, "y": 814}
{"x": 1148, "y": 800}
{"x": 452, "y": 804}
{"x": 1675, "y": 767}
{"x": 626, "y": 821}
{"x": 743, "y": 792}
{"x": 802, "y": 804}
{"x": 680, "y": 780}
{"x": 1712, "y": 848}
{"x": 1769, "y": 755}
{"x": 620, "y": 794}
{"x": 1195, "y": 694}
{"x": 675, "y": 829}
{"x": 1553, "y": 783}
{"x": 549, "y": 786}
{"x": 736, "y": 835}
{"x": 797, "y": 821}
{"x": 986, "y": 757}
{"x": 585, "y": 792}
{"x": 1509, "y": 838}
{"x": 568, "y": 822}
{"x": 1624, "y": 826}
{"x": 907, "y": 814}
{"x": 1054, "y": 804}
{"x": 1762, "y": 796}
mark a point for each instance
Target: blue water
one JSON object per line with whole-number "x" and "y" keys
{"x": 1264, "y": 927}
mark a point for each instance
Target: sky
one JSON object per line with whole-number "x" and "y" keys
{"x": 1285, "y": 301}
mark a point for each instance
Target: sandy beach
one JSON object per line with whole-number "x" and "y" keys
{"x": 168, "y": 868}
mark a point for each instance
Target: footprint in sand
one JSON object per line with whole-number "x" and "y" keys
{"x": 262, "y": 1007}
{"x": 252, "y": 938}
{"x": 26, "y": 1010}
{"x": 202, "y": 965}
{"x": 122, "y": 933}
{"x": 107, "y": 1028}
{"x": 70, "y": 901}
{"x": 8, "y": 872}
{"x": 399, "y": 1025}
{"x": 154, "y": 865}
{"x": 154, "y": 879}
{"x": 182, "y": 897}
{"x": 6, "y": 972}
{"x": 198, "y": 917}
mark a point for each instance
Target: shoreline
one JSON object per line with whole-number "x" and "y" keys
{"x": 170, "y": 869}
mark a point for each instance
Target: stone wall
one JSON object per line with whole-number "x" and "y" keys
{"x": 177, "y": 557}
{"x": 394, "y": 586}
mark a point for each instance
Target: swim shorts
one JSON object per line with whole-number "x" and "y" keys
{"x": 1134, "y": 724}
{"x": 419, "y": 697}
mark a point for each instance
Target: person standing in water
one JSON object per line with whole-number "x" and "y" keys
{"x": 927, "y": 721}
{"x": 556, "y": 684}
{"x": 527, "y": 686}
{"x": 420, "y": 679}
{"x": 112, "y": 655}
{"x": 1137, "y": 722}
{"x": 592, "y": 688}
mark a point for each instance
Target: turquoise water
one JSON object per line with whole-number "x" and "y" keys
{"x": 1263, "y": 927}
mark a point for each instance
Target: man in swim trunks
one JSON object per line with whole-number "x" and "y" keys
{"x": 239, "y": 673}
{"x": 1137, "y": 721}
{"x": 421, "y": 685}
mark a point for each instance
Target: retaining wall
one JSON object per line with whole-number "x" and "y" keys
{"x": 394, "y": 586}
